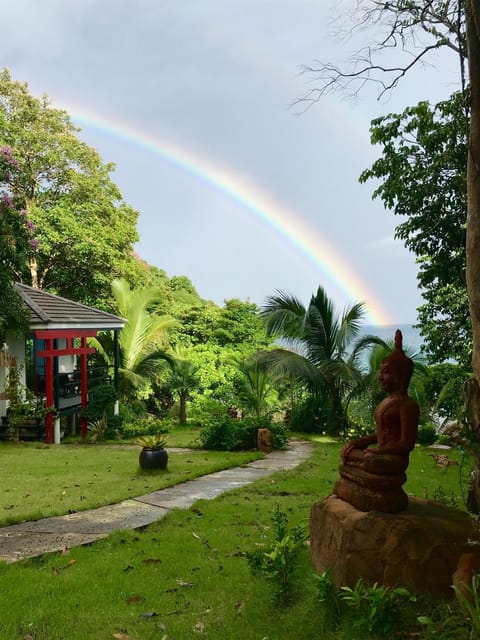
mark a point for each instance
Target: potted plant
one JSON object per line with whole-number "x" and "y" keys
{"x": 153, "y": 454}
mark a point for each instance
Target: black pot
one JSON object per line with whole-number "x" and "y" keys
{"x": 153, "y": 458}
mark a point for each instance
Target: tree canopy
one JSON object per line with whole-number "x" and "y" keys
{"x": 85, "y": 231}
{"x": 422, "y": 173}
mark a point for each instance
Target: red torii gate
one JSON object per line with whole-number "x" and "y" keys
{"x": 50, "y": 352}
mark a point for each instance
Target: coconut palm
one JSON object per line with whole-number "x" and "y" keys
{"x": 322, "y": 349}
{"x": 255, "y": 382}
{"x": 370, "y": 390}
{"x": 142, "y": 342}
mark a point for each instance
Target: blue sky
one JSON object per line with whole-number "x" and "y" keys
{"x": 216, "y": 80}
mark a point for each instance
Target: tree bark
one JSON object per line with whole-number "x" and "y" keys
{"x": 473, "y": 220}
{"x": 183, "y": 409}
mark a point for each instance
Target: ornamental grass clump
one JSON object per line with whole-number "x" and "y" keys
{"x": 152, "y": 441}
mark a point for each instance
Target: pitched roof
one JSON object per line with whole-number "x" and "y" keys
{"x": 48, "y": 311}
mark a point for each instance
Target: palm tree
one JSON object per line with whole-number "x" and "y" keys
{"x": 142, "y": 342}
{"x": 255, "y": 382}
{"x": 323, "y": 350}
{"x": 370, "y": 389}
{"x": 183, "y": 379}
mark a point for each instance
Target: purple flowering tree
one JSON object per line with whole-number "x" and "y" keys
{"x": 86, "y": 231}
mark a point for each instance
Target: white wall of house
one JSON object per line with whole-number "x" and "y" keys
{"x": 66, "y": 364}
{"x": 12, "y": 354}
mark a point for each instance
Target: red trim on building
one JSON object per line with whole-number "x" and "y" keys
{"x": 66, "y": 333}
{"x": 49, "y": 353}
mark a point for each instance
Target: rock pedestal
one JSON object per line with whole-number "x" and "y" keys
{"x": 418, "y": 548}
{"x": 264, "y": 440}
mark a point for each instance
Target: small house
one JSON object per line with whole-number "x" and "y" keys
{"x": 52, "y": 357}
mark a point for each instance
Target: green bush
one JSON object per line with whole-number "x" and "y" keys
{"x": 145, "y": 425}
{"x": 220, "y": 435}
{"x": 358, "y": 428}
{"x": 230, "y": 434}
{"x": 204, "y": 408}
{"x": 426, "y": 434}
{"x": 306, "y": 418}
{"x": 99, "y": 412}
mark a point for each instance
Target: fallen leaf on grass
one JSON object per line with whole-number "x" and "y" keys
{"x": 133, "y": 599}
{"x": 151, "y": 561}
{"x": 56, "y": 570}
{"x": 122, "y": 636}
{"x": 182, "y": 583}
{"x": 198, "y": 627}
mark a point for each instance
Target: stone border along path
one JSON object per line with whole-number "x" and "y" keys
{"x": 30, "y": 539}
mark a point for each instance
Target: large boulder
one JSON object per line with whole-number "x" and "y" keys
{"x": 418, "y": 548}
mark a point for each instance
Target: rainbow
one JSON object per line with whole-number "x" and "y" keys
{"x": 251, "y": 196}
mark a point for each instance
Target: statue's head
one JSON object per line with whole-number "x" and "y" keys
{"x": 396, "y": 368}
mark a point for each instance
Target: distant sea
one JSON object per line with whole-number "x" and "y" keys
{"x": 411, "y": 336}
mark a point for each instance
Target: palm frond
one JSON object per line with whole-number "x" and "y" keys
{"x": 284, "y": 315}
{"x": 284, "y": 363}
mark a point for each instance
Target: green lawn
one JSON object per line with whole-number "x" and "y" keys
{"x": 40, "y": 480}
{"x": 187, "y": 576}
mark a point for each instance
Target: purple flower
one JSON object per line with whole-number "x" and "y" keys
{"x": 7, "y": 199}
{"x": 34, "y": 243}
{"x": 23, "y": 213}
{"x": 30, "y": 225}
{"x": 6, "y": 152}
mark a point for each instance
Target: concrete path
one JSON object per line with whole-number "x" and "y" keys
{"x": 30, "y": 539}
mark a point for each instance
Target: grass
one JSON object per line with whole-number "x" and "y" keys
{"x": 40, "y": 480}
{"x": 187, "y": 576}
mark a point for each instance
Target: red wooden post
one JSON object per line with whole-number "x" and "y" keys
{"x": 49, "y": 391}
{"x": 83, "y": 385}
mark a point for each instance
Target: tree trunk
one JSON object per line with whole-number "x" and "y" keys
{"x": 183, "y": 409}
{"x": 34, "y": 273}
{"x": 473, "y": 216}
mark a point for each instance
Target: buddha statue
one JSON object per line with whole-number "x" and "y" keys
{"x": 373, "y": 467}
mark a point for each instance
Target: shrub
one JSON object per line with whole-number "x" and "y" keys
{"x": 358, "y": 428}
{"x": 376, "y": 610}
{"x": 101, "y": 400}
{"x": 306, "y": 418}
{"x": 426, "y": 434}
{"x": 205, "y": 408}
{"x": 229, "y": 434}
{"x": 279, "y": 561}
{"x": 145, "y": 425}
{"x": 221, "y": 435}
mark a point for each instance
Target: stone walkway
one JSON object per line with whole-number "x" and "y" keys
{"x": 30, "y": 539}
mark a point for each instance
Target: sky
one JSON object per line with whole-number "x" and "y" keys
{"x": 236, "y": 187}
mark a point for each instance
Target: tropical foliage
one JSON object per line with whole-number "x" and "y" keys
{"x": 142, "y": 342}
{"x": 254, "y": 383}
{"x": 422, "y": 173}
{"x": 324, "y": 353}
{"x": 182, "y": 379}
